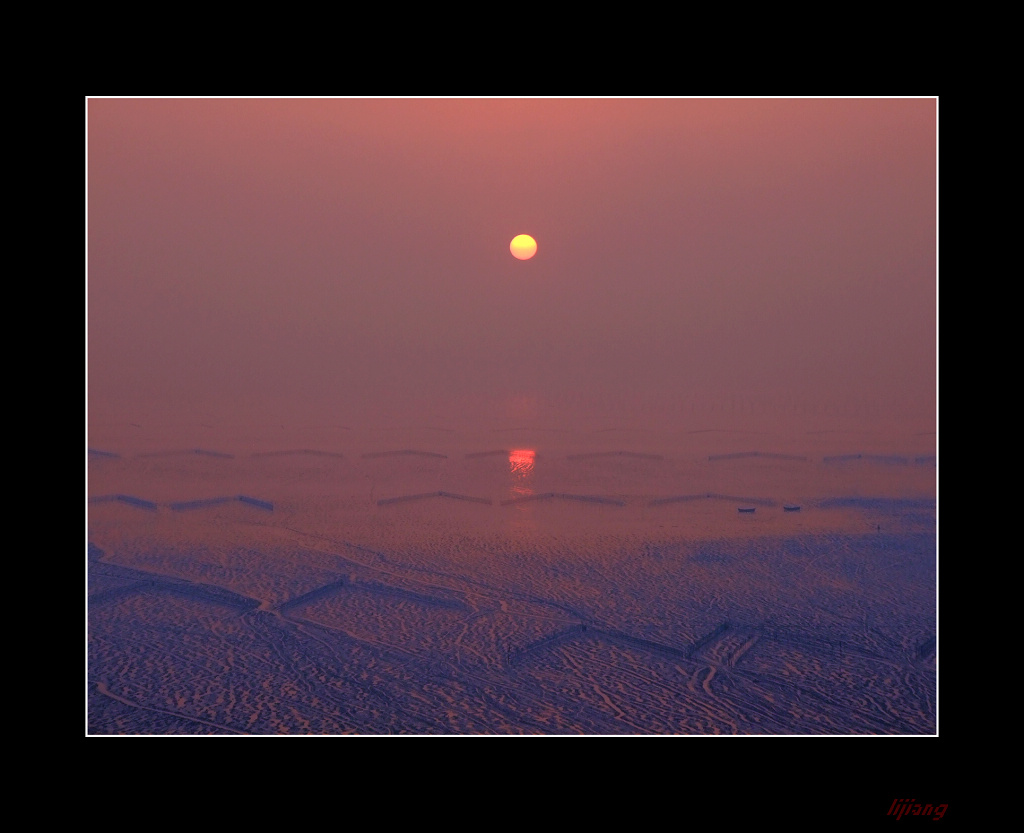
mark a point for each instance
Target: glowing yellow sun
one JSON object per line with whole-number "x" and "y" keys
{"x": 523, "y": 246}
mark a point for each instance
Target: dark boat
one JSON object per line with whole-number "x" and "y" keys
{"x": 746, "y": 508}
{"x": 791, "y": 507}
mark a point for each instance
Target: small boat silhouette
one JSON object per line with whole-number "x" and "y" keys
{"x": 791, "y": 507}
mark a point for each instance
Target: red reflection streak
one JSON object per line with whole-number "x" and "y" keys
{"x": 521, "y": 462}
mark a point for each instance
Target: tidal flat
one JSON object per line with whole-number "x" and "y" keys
{"x": 422, "y": 582}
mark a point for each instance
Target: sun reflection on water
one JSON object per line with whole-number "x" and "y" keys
{"x": 521, "y": 463}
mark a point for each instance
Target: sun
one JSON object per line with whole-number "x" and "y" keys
{"x": 523, "y": 246}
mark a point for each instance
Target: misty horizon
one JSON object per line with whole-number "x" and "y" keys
{"x": 761, "y": 261}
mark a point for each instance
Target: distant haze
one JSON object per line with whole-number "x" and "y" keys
{"x": 708, "y": 263}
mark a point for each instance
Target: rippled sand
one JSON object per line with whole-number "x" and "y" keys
{"x": 443, "y": 583}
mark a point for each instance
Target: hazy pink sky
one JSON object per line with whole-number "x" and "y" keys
{"x": 264, "y": 257}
